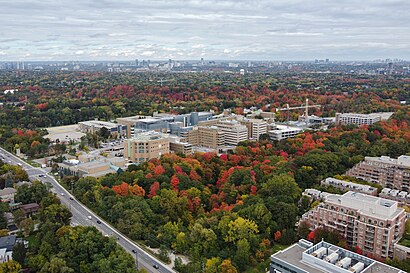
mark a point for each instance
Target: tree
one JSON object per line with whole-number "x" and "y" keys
{"x": 104, "y": 133}
{"x": 19, "y": 216}
{"x": 211, "y": 265}
{"x": 163, "y": 254}
{"x": 283, "y": 187}
{"x": 56, "y": 214}
{"x": 243, "y": 252}
{"x": 27, "y": 226}
{"x": 10, "y": 267}
{"x": 56, "y": 265}
{"x": 241, "y": 229}
{"x": 303, "y": 229}
{"x": 19, "y": 253}
{"x": 227, "y": 267}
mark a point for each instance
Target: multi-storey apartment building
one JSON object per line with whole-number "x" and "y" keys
{"x": 388, "y": 172}
{"x": 146, "y": 146}
{"x": 349, "y": 186}
{"x": 371, "y": 223}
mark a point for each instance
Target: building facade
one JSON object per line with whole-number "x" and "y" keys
{"x": 280, "y": 132}
{"x": 94, "y": 126}
{"x": 130, "y": 123}
{"x": 360, "y": 119}
{"x": 385, "y": 171}
{"x": 233, "y": 131}
{"x": 349, "y": 186}
{"x": 204, "y": 136}
{"x": 146, "y": 146}
{"x": 371, "y": 223}
{"x": 256, "y": 127}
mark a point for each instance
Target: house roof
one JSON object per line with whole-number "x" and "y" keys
{"x": 8, "y": 242}
{"x": 30, "y": 206}
{"x": 7, "y": 191}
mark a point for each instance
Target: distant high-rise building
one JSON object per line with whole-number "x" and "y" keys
{"x": 385, "y": 171}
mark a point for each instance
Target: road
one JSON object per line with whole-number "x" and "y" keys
{"x": 85, "y": 217}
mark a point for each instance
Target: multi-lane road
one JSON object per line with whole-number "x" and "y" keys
{"x": 85, "y": 217}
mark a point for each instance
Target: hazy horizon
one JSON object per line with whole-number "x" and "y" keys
{"x": 293, "y": 30}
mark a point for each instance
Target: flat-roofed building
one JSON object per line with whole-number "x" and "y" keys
{"x": 233, "y": 131}
{"x": 152, "y": 124}
{"x": 371, "y": 223}
{"x": 361, "y": 119}
{"x": 349, "y": 186}
{"x": 305, "y": 257}
{"x": 204, "y": 136}
{"x": 180, "y": 147}
{"x": 96, "y": 168}
{"x": 93, "y": 126}
{"x": 145, "y": 146}
{"x": 402, "y": 197}
{"x": 130, "y": 123}
{"x": 388, "y": 172}
{"x": 256, "y": 127}
{"x": 279, "y": 132}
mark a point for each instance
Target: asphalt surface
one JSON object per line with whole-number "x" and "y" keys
{"x": 85, "y": 217}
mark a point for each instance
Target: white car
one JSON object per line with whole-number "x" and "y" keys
{"x": 62, "y": 194}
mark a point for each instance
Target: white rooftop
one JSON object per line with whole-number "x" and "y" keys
{"x": 99, "y": 123}
{"x": 373, "y": 206}
{"x": 403, "y": 160}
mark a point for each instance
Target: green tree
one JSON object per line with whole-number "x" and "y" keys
{"x": 19, "y": 253}
{"x": 56, "y": 265}
{"x": 241, "y": 229}
{"x": 243, "y": 252}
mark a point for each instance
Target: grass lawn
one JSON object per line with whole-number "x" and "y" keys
{"x": 33, "y": 242}
{"x": 405, "y": 242}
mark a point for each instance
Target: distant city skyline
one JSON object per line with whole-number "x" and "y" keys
{"x": 34, "y": 30}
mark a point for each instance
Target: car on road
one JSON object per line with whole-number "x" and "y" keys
{"x": 41, "y": 175}
{"x": 89, "y": 217}
{"x": 98, "y": 222}
{"x": 155, "y": 266}
{"x": 62, "y": 194}
{"x": 71, "y": 198}
{"x": 134, "y": 251}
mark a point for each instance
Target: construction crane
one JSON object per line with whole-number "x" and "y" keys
{"x": 306, "y": 107}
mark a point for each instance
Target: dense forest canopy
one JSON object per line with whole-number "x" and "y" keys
{"x": 58, "y": 98}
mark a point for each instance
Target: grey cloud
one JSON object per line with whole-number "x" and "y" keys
{"x": 236, "y": 29}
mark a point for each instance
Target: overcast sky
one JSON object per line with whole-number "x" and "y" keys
{"x": 194, "y": 29}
